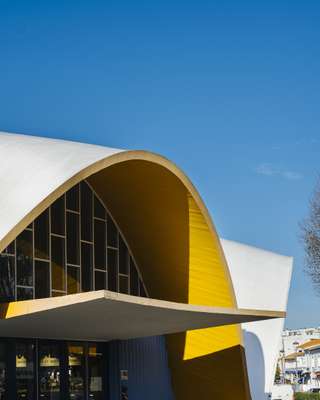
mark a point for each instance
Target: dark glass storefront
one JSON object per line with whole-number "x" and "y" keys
{"x": 52, "y": 370}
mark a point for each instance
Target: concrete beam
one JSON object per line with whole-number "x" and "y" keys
{"x": 104, "y": 315}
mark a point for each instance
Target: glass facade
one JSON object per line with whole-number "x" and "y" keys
{"x": 96, "y": 366}
{"x": 25, "y": 370}
{"x": 52, "y": 370}
{"x": 49, "y": 370}
{"x": 43, "y": 369}
{"x": 73, "y": 246}
{"x": 76, "y": 371}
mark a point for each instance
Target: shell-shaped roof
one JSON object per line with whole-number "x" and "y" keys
{"x": 167, "y": 226}
{"x": 32, "y": 167}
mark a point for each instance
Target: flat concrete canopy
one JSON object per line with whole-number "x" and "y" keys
{"x": 104, "y": 315}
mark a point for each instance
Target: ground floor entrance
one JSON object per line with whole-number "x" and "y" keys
{"x": 134, "y": 369}
{"x": 52, "y": 370}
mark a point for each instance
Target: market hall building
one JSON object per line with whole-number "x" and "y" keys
{"x": 114, "y": 283}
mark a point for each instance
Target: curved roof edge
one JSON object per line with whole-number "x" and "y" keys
{"x": 36, "y": 170}
{"x": 256, "y": 274}
{"x": 32, "y": 170}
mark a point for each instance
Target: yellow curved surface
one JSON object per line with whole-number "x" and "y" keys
{"x": 178, "y": 252}
{"x": 208, "y": 285}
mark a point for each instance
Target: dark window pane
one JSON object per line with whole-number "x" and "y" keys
{"x": 99, "y": 244}
{"x": 57, "y": 216}
{"x": 142, "y": 291}
{"x": 86, "y": 266}
{"x": 73, "y": 240}
{"x": 96, "y": 370}
{"x": 86, "y": 212}
{"x": 112, "y": 270}
{"x": 58, "y": 263}
{"x": 24, "y": 259}
{"x": 42, "y": 279}
{"x": 100, "y": 280}
{"x": 76, "y": 372}
{"x": 134, "y": 279}
{"x": 10, "y": 249}
{"x": 49, "y": 371}
{"x": 73, "y": 280}
{"x": 112, "y": 233}
{"x": 72, "y": 198}
{"x": 123, "y": 257}
{"x": 24, "y": 293}
{"x": 3, "y": 371}
{"x": 41, "y": 236}
{"x": 123, "y": 284}
{"x": 25, "y": 371}
{"x": 7, "y": 278}
{"x": 99, "y": 210}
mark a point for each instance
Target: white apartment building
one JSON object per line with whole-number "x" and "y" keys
{"x": 293, "y": 338}
{"x": 302, "y": 367}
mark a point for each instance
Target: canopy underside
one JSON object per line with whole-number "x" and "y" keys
{"x": 104, "y": 315}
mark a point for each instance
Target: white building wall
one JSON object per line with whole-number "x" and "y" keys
{"x": 291, "y": 365}
{"x": 302, "y": 361}
{"x": 293, "y": 338}
{"x": 261, "y": 280}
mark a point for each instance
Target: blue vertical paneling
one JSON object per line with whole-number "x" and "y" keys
{"x": 147, "y": 365}
{"x": 113, "y": 371}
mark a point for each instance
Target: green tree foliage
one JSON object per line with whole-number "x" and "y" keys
{"x": 307, "y": 396}
{"x": 278, "y": 374}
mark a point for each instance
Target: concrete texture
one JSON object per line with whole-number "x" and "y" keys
{"x": 105, "y": 315}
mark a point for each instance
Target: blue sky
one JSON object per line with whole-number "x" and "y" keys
{"x": 227, "y": 90}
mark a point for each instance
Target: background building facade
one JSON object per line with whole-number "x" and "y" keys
{"x": 302, "y": 367}
{"x": 292, "y": 338}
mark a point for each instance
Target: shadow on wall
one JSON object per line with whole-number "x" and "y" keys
{"x": 217, "y": 375}
{"x": 256, "y": 366}
{"x": 3, "y": 310}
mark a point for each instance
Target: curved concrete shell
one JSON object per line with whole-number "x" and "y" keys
{"x": 167, "y": 227}
{"x": 256, "y": 274}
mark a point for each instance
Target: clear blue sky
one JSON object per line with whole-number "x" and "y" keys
{"x": 229, "y": 90}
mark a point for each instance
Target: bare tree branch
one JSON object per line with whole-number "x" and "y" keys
{"x": 310, "y": 229}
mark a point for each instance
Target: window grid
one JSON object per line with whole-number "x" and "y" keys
{"x": 79, "y": 233}
{"x": 15, "y": 269}
{"x": 65, "y": 246}
{"x": 122, "y": 280}
{"x": 50, "y": 267}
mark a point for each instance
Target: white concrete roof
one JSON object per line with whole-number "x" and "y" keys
{"x": 34, "y": 169}
{"x": 31, "y": 168}
{"x": 261, "y": 279}
{"x": 110, "y": 316}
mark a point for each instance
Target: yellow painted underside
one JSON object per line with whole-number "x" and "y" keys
{"x": 208, "y": 285}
